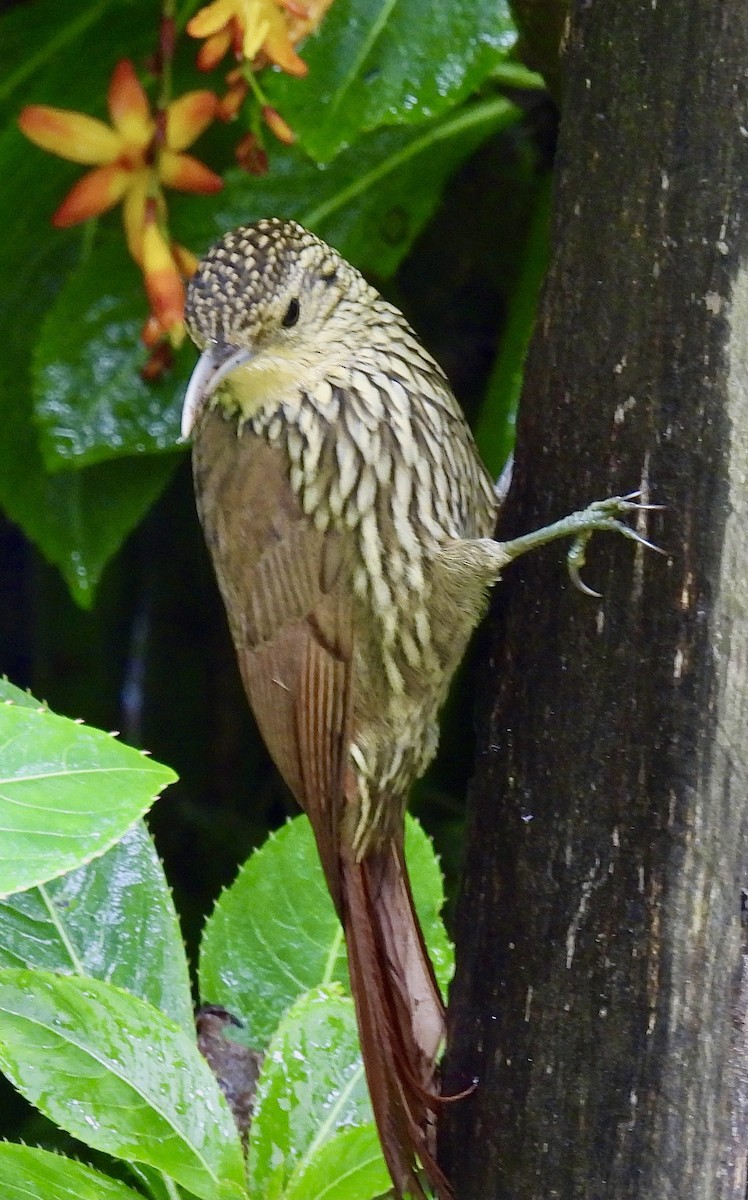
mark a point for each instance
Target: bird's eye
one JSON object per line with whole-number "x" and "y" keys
{"x": 292, "y": 314}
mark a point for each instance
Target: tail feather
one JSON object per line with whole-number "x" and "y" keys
{"x": 400, "y": 1014}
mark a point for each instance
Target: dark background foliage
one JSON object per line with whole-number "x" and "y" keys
{"x": 436, "y": 185}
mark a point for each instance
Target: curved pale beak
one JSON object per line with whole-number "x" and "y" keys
{"x": 213, "y": 365}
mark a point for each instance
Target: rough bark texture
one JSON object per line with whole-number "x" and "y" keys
{"x": 599, "y": 999}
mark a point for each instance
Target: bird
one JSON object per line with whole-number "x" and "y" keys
{"x": 350, "y": 521}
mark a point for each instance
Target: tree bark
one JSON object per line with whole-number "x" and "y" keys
{"x": 599, "y": 1000}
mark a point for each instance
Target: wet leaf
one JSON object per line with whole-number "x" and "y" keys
{"x": 90, "y": 401}
{"x": 274, "y": 933}
{"x": 350, "y": 1166}
{"x": 391, "y": 62}
{"x": 67, "y": 793}
{"x": 78, "y": 521}
{"x": 370, "y": 203}
{"x": 311, "y": 1086}
{"x": 117, "y": 1074}
{"x": 32, "y": 1174}
{"x": 112, "y": 919}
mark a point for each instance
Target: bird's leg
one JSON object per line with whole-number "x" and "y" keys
{"x": 603, "y": 516}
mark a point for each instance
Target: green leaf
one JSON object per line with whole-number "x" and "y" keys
{"x": 389, "y": 62}
{"x": 371, "y": 203}
{"x": 31, "y": 1174}
{"x": 495, "y": 427}
{"x": 274, "y": 933}
{"x": 78, "y": 521}
{"x": 10, "y": 694}
{"x": 45, "y": 42}
{"x": 350, "y": 1166}
{"x": 90, "y": 401}
{"x": 112, "y": 919}
{"x": 67, "y": 793}
{"x": 117, "y": 1074}
{"x": 312, "y": 1084}
{"x": 152, "y": 1182}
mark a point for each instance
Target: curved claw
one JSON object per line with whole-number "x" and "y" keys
{"x": 575, "y": 558}
{"x": 580, "y": 585}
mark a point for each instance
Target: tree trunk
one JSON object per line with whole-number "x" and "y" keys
{"x": 599, "y": 999}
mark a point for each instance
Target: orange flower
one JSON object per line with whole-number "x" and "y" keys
{"x": 278, "y": 126}
{"x": 304, "y": 18}
{"x": 248, "y": 27}
{"x": 165, "y": 267}
{"x": 238, "y": 87}
{"x": 251, "y": 156}
{"x": 132, "y": 158}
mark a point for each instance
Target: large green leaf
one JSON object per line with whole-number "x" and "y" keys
{"x": 91, "y": 402}
{"x": 274, "y": 933}
{"x": 79, "y": 520}
{"x": 46, "y": 42}
{"x": 370, "y": 203}
{"x": 10, "y": 694}
{"x": 120, "y": 1076}
{"x": 495, "y": 427}
{"x": 349, "y": 1166}
{"x": 67, "y": 793}
{"x": 112, "y": 919}
{"x": 387, "y": 62}
{"x": 312, "y": 1084}
{"x": 28, "y": 1173}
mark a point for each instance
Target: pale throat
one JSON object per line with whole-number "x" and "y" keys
{"x": 261, "y": 384}
{"x": 282, "y": 376}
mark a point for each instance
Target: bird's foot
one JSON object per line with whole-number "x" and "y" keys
{"x": 602, "y": 516}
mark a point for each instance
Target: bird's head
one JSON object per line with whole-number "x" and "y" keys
{"x": 261, "y": 308}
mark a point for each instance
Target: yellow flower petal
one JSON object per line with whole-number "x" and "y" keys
{"x": 212, "y": 18}
{"x": 212, "y": 51}
{"x": 133, "y": 211}
{"x": 72, "y": 135}
{"x": 129, "y": 107}
{"x": 256, "y": 27}
{"x": 277, "y": 42}
{"x": 163, "y": 283}
{"x": 302, "y": 23}
{"x": 186, "y": 174}
{"x": 97, "y": 191}
{"x": 185, "y": 259}
{"x": 187, "y": 117}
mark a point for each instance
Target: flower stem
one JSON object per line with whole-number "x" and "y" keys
{"x": 257, "y": 91}
{"x": 166, "y": 40}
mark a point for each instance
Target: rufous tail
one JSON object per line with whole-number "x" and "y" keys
{"x": 400, "y": 1014}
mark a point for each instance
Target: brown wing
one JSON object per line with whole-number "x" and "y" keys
{"x": 284, "y": 586}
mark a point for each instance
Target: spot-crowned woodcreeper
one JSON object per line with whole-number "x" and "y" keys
{"x": 350, "y": 522}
